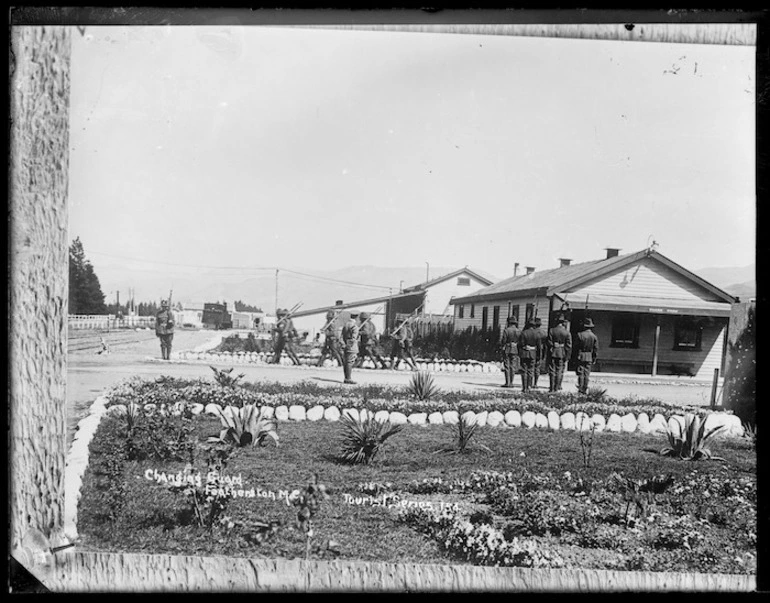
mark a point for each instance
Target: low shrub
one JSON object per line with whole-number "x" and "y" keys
{"x": 362, "y": 439}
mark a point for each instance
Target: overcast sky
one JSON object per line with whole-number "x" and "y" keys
{"x": 313, "y": 149}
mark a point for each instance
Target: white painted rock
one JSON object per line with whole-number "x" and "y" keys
{"x": 364, "y": 414}
{"x": 196, "y": 408}
{"x": 613, "y": 423}
{"x": 381, "y": 416}
{"x": 643, "y": 423}
{"x": 332, "y": 413}
{"x": 553, "y": 420}
{"x": 582, "y": 421}
{"x": 528, "y": 419}
{"x": 451, "y": 417}
{"x": 268, "y": 412}
{"x": 658, "y": 424}
{"x": 352, "y": 413}
{"x": 418, "y": 418}
{"x": 541, "y": 421}
{"x": 315, "y": 414}
{"x": 734, "y": 425}
{"x": 297, "y": 413}
{"x": 212, "y": 409}
{"x": 282, "y": 413}
{"x": 397, "y": 418}
{"x": 481, "y": 418}
{"x": 599, "y": 422}
{"x": 567, "y": 420}
{"x": 495, "y": 418}
{"x": 469, "y": 416}
{"x": 435, "y": 418}
{"x": 628, "y": 423}
{"x": 513, "y": 418}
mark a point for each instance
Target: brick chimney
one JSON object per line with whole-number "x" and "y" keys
{"x": 530, "y": 269}
{"x": 515, "y": 269}
{"x": 564, "y": 262}
{"x": 612, "y": 252}
{"x": 338, "y": 302}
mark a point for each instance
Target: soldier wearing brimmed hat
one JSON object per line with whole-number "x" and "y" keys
{"x": 542, "y": 336}
{"x": 368, "y": 344}
{"x": 528, "y": 344}
{"x": 559, "y": 345}
{"x": 586, "y": 346}
{"x": 284, "y": 334}
{"x": 350, "y": 346}
{"x": 509, "y": 344}
{"x": 164, "y": 329}
{"x": 402, "y": 346}
{"x": 332, "y": 334}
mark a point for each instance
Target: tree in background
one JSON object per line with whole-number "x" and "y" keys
{"x": 741, "y": 375}
{"x": 242, "y": 307}
{"x": 146, "y": 309}
{"x": 85, "y": 292}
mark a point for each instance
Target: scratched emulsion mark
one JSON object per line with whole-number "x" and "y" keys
{"x": 226, "y": 43}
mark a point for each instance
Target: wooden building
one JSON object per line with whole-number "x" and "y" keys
{"x": 652, "y": 315}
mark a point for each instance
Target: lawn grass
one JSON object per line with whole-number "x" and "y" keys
{"x": 150, "y": 519}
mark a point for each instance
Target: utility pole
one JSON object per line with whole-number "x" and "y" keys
{"x": 276, "y": 291}
{"x": 427, "y": 272}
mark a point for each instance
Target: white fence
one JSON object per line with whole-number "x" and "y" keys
{"x": 109, "y": 321}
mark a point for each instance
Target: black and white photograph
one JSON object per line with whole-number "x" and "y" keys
{"x": 398, "y": 304}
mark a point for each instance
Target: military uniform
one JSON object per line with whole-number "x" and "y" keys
{"x": 367, "y": 348}
{"x": 559, "y": 344}
{"x": 164, "y": 329}
{"x": 350, "y": 346}
{"x": 587, "y": 347}
{"x": 402, "y": 347}
{"x": 509, "y": 342}
{"x": 528, "y": 344}
{"x": 331, "y": 340}
{"x": 285, "y": 334}
{"x": 541, "y": 352}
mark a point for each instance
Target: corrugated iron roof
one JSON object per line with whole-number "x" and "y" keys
{"x": 444, "y": 277}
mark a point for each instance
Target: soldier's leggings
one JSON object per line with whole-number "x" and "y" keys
{"x": 402, "y": 353}
{"x": 583, "y": 371}
{"x": 347, "y": 365}
{"x": 510, "y": 367}
{"x": 165, "y": 345}
{"x": 536, "y": 370}
{"x": 280, "y": 345}
{"x": 331, "y": 349}
{"x": 528, "y": 373}
{"x": 369, "y": 351}
{"x": 555, "y": 373}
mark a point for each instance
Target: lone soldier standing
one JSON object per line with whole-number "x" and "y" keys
{"x": 368, "y": 348}
{"x": 541, "y": 350}
{"x": 559, "y": 344}
{"x": 350, "y": 346}
{"x": 331, "y": 340}
{"x": 509, "y": 343}
{"x": 164, "y": 329}
{"x": 587, "y": 346}
{"x": 528, "y": 343}
{"x": 402, "y": 346}
{"x": 285, "y": 333}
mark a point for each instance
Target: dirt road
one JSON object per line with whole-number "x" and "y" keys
{"x": 138, "y": 353}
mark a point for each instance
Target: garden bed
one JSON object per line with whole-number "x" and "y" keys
{"x": 536, "y": 503}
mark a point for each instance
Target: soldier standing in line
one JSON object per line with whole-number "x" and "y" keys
{"x": 402, "y": 346}
{"x": 541, "y": 352}
{"x": 587, "y": 347}
{"x": 509, "y": 343}
{"x": 559, "y": 344}
{"x": 285, "y": 334}
{"x": 164, "y": 329}
{"x": 368, "y": 346}
{"x": 331, "y": 340}
{"x": 528, "y": 343}
{"x": 350, "y": 346}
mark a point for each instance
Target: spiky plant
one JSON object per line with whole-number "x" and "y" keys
{"x": 362, "y": 438}
{"x": 750, "y": 434}
{"x": 244, "y": 426}
{"x": 689, "y": 443}
{"x": 225, "y": 377}
{"x": 596, "y": 394}
{"x": 422, "y": 386}
{"x": 464, "y": 429}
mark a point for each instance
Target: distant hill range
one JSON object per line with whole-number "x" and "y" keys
{"x": 740, "y": 282}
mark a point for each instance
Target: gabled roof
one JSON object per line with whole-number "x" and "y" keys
{"x": 555, "y": 280}
{"x": 446, "y": 277}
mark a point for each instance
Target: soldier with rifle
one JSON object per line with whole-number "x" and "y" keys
{"x": 541, "y": 350}
{"x": 402, "y": 345}
{"x": 284, "y": 336}
{"x": 350, "y": 346}
{"x": 559, "y": 345}
{"x": 331, "y": 331}
{"x": 164, "y": 327}
{"x": 368, "y": 344}
{"x": 587, "y": 347}
{"x": 528, "y": 343}
{"x": 509, "y": 343}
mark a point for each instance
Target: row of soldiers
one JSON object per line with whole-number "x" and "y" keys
{"x": 525, "y": 350}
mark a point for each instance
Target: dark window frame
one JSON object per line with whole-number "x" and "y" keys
{"x": 463, "y": 281}
{"x": 495, "y": 316}
{"x": 461, "y": 311}
{"x": 484, "y": 318}
{"x": 682, "y": 325}
{"x": 473, "y": 310}
{"x": 621, "y": 321}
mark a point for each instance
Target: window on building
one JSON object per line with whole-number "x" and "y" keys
{"x": 495, "y": 316}
{"x": 473, "y": 310}
{"x": 461, "y": 311}
{"x": 513, "y": 310}
{"x": 625, "y": 331}
{"x": 484, "y": 318}
{"x": 687, "y": 334}
{"x": 463, "y": 281}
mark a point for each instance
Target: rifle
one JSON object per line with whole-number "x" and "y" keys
{"x": 377, "y": 311}
{"x": 170, "y": 294}
{"x": 289, "y": 314}
{"x": 409, "y": 318}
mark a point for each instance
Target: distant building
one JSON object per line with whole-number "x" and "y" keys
{"x": 652, "y": 315}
